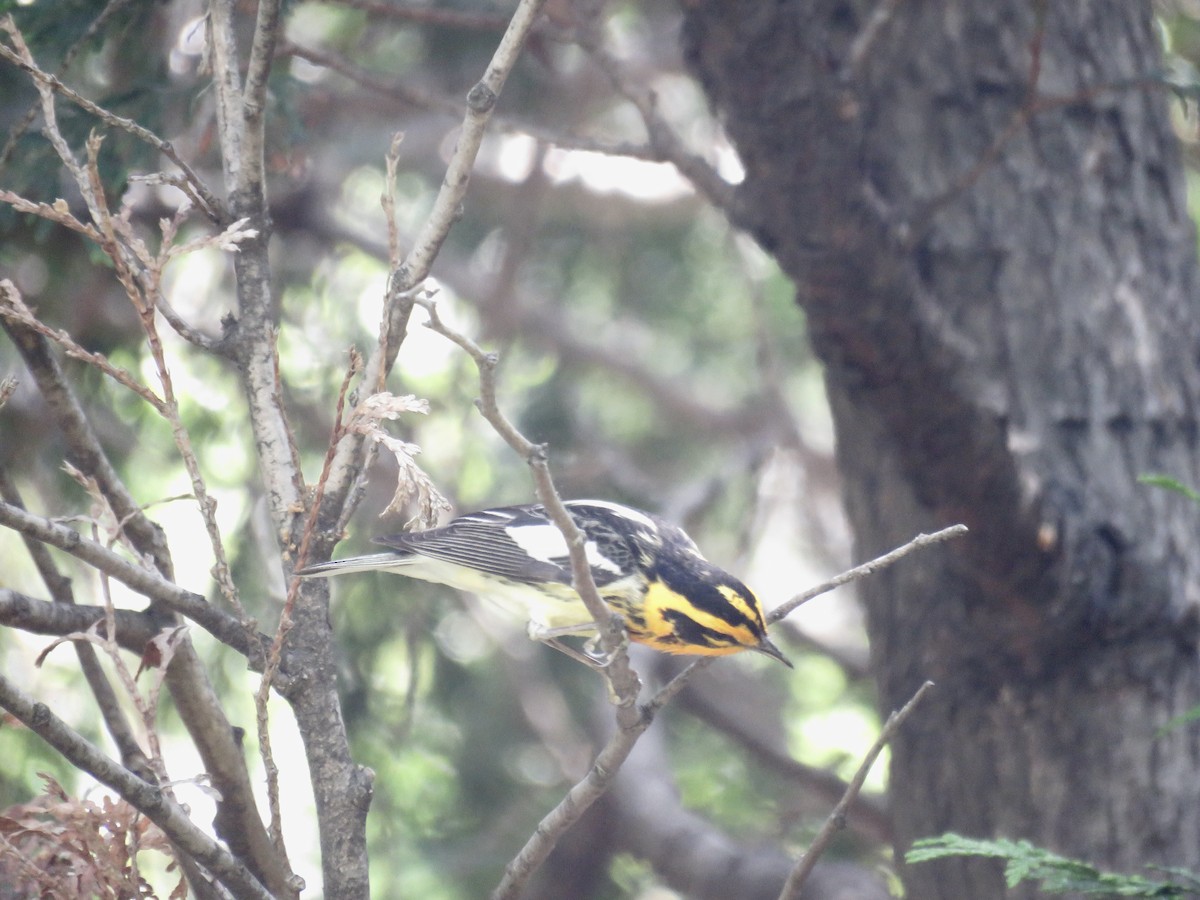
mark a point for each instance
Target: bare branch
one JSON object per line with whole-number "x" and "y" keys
{"x": 254, "y": 95}
{"x": 152, "y": 801}
{"x": 868, "y": 568}
{"x": 392, "y": 165}
{"x": 220, "y": 624}
{"x": 868, "y": 815}
{"x": 663, "y": 138}
{"x": 837, "y": 818}
{"x": 59, "y": 587}
{"x": 57, "y": 212}
{"x": 199, "y": 191}
{"x": 13, "y": 308}
{"x": 623, "y": 680}
{"x": 438, "y": 103}
{"x": 481, "y": 101}
{"x": 18, "y": 610}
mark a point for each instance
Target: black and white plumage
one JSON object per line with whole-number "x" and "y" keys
{"x": 644, "y": 568}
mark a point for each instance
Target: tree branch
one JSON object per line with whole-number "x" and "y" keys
{"x": 837, "y": 818}
{"x": 868, "y": 816}
{"x": 701, "y": 861}
{"x": 868, "y": 568}
{"x": 237, "y": 820}
{"x": 195, "y": 188}
{"x": 17, "y": 610}
{"x": 447, "y": 208}
{"x": 663, "y": 138}
{"x": 59, "y": 587}
{"x": 147, "y": 798}
{"x": 220, "y": 624}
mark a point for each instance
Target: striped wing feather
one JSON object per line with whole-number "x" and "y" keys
{"x": 479, "y": 541}
{"x": 484, "y": 541}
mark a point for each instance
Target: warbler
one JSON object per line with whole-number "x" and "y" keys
{"x": 649, "y": 571}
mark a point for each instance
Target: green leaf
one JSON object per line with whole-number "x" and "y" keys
{"x": 1169, "y": 483}
{"x": 1183, "y": 719}
{"x": 1055, "y": 874}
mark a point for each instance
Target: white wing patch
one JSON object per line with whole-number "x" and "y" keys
{"x": 545, "y": 543}
{"x": 542, "y": 542}
{"x": 598, "y": 560}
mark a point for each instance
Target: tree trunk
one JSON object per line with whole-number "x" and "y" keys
{"x": 982, "y": 206}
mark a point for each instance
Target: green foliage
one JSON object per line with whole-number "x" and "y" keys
{"x": 1168, "y": 483}
{"x": 1023, "y": 862}
{"x": 633, "y": 333}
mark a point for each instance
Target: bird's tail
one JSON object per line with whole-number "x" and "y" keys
{"x": 369, "y": 563}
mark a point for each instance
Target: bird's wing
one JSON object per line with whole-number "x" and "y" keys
{"x": 521, "y": 543}
{"x": 510, "y": 542}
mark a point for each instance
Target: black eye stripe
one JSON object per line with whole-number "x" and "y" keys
{"x": 700, "y": 585}
{"x": 689, "y": 631}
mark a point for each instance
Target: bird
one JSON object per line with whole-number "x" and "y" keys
{"x": 647, "y": 570}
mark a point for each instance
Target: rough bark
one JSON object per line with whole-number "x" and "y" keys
{"x": 984, "y": 215}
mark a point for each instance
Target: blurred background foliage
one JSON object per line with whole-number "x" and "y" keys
{"x": 656, "y": 350}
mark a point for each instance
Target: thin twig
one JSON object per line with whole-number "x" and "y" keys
{"x": 837, "y": 819}
{"x": 12, "y": 307}
{"x": 60, "y": 590}
{"x": 392, "y": 164}
{"x": 57, "y": 212}
{"x": 867, "y": 36}
{"x": 110, "y": 10}
{"x": 868, "y": 568}
{"x": 610, "y": 758}
{"x": 447, "y": 206}
{"x": 21, "y": 58}
{"x": 220, "y": 624}
{"x": 663, "y": 138}
{"x": 739, "y": 722}
{"x": 254, "y": 94}
{"x": 623, "y": 680}
{"x": 149, "y": 799}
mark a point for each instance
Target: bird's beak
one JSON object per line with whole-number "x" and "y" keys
{"x": 772, "y": 651}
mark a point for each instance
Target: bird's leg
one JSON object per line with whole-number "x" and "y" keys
{"x": 590, "y": 656}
